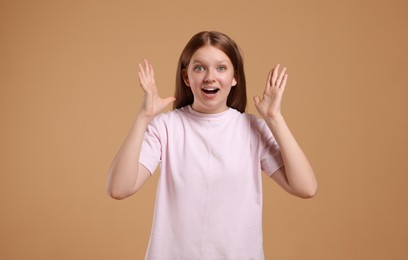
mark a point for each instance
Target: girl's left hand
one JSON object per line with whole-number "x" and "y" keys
{"x": 270, "y": 105}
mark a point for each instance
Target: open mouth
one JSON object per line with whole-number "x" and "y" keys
{"x": 210, "y": 90}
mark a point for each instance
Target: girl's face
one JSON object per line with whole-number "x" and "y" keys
{"x": 210, "y": 75}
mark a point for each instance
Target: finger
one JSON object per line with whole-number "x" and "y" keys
{"x": 141, "y": 76}
{"x": 167, "y": 101}
{"x": 141, "y": 70}
{"x": 282, "y": 74}
{"x": 151, "y": 71}
{"x": 275, "y": 74}
{"x": 283, "y": 85}
{"x": 142, "y": 80}
{"x": 147, "y": 66}
{"x": 269, "y": 80}
{"x": 257, "y": 100}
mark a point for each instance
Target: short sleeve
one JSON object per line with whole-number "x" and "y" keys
{"x": 271, "y": 158}
{"x": 150, "y": 153}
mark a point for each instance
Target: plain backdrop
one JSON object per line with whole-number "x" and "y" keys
{"x": 69, "y": 93}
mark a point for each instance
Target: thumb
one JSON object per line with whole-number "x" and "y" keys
{"x": 257, "y": 100}
{"x": 169, "y": 100}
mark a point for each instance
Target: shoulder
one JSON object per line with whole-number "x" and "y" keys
{"x": 259, "y": 128}
{"x": 255, "y": 122}
{"x": 242, "y": 116}
{"x": 169, "y": 116}
{"x": 251, "y": 124}
{"x": 168, "y": 120}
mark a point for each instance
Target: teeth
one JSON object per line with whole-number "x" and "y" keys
{"x": 210, "y": 90}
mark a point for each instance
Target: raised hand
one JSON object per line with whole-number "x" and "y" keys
{"x": 153, "y": 104}
{"x": 270, "y": 105}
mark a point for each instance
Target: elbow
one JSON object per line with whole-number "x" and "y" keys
{"x": 309, "y": 193}
{"x": 118, "y": 190}
{"x": 116, "y": 195}
{"x": 119, "y": 194}
{"x": 308, "y": 190}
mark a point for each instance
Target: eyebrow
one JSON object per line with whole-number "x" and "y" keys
{"x": 199, "y": 61}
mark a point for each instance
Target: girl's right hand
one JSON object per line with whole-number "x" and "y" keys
{"x": 153, "y": 104}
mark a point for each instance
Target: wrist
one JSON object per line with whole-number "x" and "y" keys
{"x": 275, "y": 119}
{"x": 144, "y": 116}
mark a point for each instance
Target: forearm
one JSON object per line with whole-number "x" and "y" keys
{"x": 124, "y": 170}
{"x": 299, "y": 173}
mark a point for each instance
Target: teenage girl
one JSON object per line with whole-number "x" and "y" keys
{"x": 211, "y": 155}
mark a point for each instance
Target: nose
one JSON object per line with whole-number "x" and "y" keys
{"x": 210, "y": 76}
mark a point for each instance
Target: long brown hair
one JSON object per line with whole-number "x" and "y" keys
{"x": 237, "y": 97}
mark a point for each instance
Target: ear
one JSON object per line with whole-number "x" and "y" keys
{"x": 185, "y": 77}
{"x": 234, "y": 82}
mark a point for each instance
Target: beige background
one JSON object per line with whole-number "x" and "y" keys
{"x": 69, "y": 93}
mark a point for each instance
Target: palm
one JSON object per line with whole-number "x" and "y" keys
{"x": 153, "y": 103}
{"x": 270, "y": 104}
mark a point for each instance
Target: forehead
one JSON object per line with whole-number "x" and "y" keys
{"x": 209, "y": 54}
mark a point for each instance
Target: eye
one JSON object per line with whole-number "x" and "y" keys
{"x": 222, "y": 68}
{"x": 198, "y": 68}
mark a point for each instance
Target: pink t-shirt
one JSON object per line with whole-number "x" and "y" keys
{"x": 209, "y": 195}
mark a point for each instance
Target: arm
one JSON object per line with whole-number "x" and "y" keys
{"x": 126, "y": 174}
{"x": 297, "y": 177}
